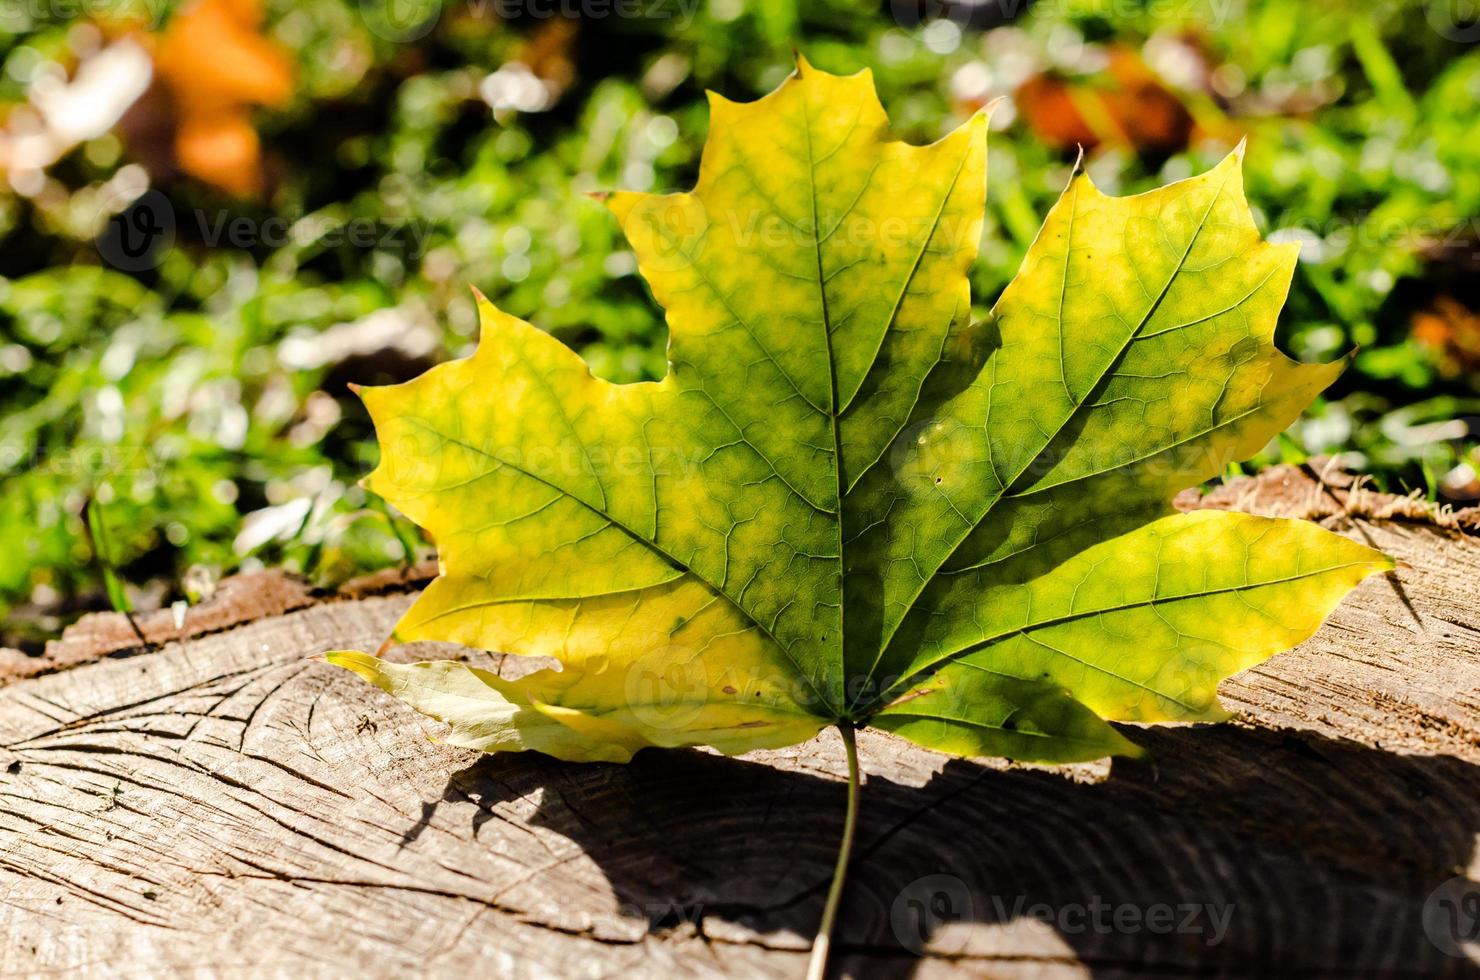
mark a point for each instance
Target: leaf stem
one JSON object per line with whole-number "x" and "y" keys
{"x": 817, "y": 967}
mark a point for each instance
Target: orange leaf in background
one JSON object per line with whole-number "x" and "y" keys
{"x": 221, "y": 149}
{"x": 1452, "y": 330}
{"x": 217, "y": 67}
{"x": 1127, "y": 106}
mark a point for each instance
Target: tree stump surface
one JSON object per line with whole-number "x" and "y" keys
{"x": 218, "y": 803}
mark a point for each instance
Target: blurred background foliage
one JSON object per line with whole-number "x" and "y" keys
{"x": 318, "y": 183}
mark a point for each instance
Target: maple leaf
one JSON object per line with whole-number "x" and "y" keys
{"x": 849, "y": 504}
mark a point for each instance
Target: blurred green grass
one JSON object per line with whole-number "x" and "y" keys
{"x": 195, "y": 409}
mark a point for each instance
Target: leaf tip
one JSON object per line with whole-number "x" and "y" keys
{"x": 717, "y": 104}
{"x": 1130, "y": 750}
{"x": 1078, "y": 169}
{"x": 1340, "y": 363}
{"x": 353, "y": 661}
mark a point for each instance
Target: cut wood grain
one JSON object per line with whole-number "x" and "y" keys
{"x": 222, "y": 804}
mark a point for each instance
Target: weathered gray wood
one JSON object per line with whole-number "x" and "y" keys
{"x": 225, "y": 805}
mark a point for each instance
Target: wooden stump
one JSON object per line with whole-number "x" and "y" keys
{"x": 222, "y": 804}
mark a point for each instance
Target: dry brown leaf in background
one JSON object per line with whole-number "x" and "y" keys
{"x": 1127, "y": 105}
{"x": 549, "y": 53}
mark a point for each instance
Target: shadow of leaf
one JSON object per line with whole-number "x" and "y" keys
{"x": 1239, "y": 851}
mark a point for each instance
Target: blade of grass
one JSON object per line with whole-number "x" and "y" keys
{"x": 113, "y": 584}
